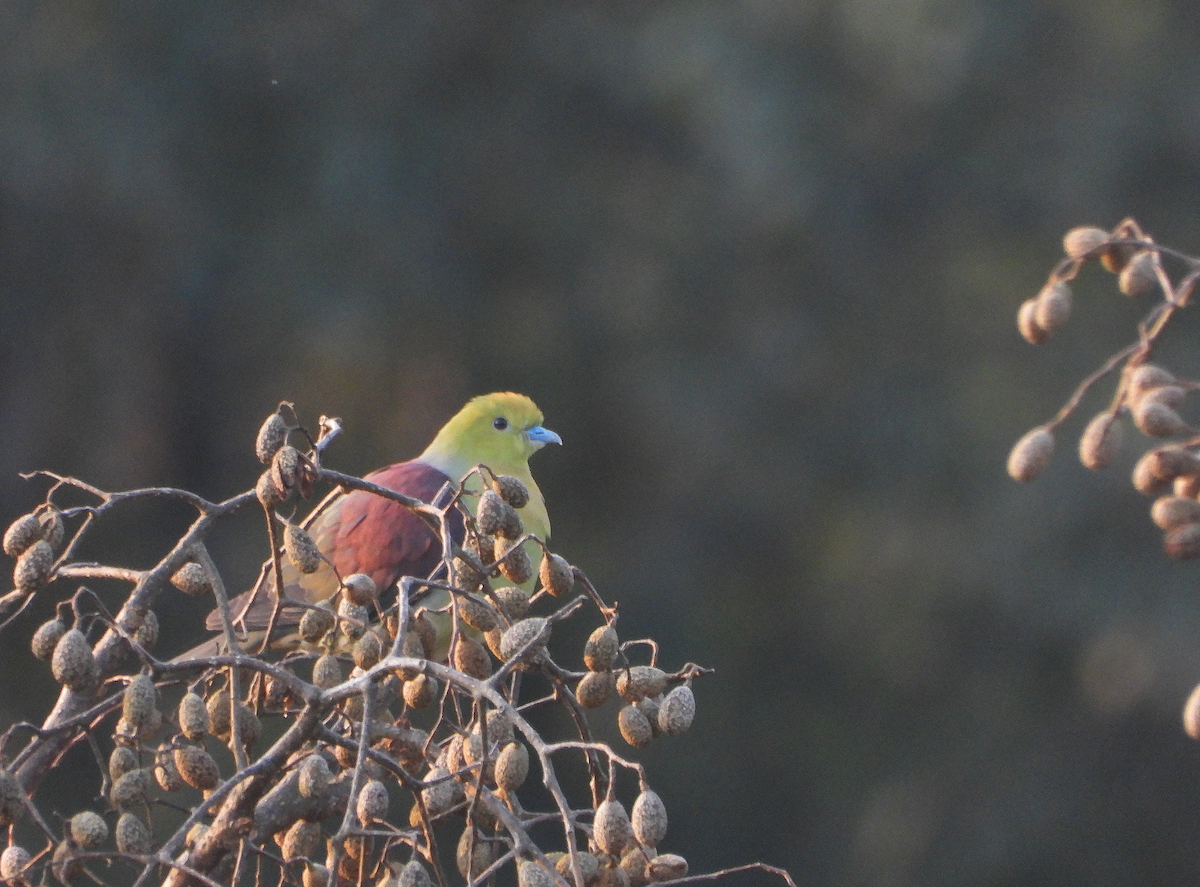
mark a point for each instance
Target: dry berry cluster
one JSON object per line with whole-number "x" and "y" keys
{"x": 371, "y": 752}
{"x": 1147, "y": 395}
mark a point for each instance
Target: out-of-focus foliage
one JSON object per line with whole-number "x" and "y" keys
{"x": 758, "y": 263}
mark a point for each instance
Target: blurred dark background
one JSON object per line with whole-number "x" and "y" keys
{"x": 758, "y": 263}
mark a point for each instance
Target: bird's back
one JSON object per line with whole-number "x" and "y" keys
{"x": 360, "y": 533}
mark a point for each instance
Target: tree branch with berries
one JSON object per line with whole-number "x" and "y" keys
{"x": 361, "y": 754}
{"x": 1146, "y": 394}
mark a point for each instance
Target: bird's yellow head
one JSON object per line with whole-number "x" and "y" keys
{"x": 499, "y": 430}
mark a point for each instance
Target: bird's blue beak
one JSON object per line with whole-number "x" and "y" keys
{"x": 542, "y": 436}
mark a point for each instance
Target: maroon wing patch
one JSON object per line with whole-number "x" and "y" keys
{"x": 360, "y": 533}
{"x": 379, "y": 537}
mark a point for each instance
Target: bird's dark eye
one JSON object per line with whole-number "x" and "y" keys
{"x": 499, "y": 423}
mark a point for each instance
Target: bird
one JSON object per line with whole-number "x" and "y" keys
{"x": 360, "y": 532}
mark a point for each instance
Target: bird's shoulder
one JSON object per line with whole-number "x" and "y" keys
{"x": 360, "y": 532}
{"x": 366, "y": 533}
{"x": 412, "y": 478}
